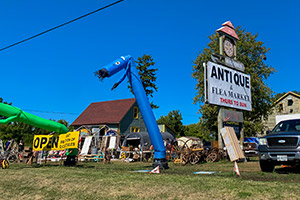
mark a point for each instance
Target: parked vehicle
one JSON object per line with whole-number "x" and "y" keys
{"x": 280, "y": 146}
{"x": 250, "y": 147}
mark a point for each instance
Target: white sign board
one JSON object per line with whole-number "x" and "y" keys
{"x": 228, "y": 87}
{"x": 112, "y": 142}
{"x": 86, "y": 145}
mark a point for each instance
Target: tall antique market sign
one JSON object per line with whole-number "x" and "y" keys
{"x": 225, "y": 83}
{"x": 227, "y": 87}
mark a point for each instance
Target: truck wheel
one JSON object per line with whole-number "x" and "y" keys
{"x": 266, "y": 166}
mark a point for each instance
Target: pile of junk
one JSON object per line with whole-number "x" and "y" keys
{"x": 138, "y": 146}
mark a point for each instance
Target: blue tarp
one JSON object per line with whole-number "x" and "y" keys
{"x": 252, "y": 140}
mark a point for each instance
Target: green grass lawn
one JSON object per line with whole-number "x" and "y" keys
{"x": 118, "y": 181}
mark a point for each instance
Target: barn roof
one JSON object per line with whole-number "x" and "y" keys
{"x": 285, "y": 95}
{"x": 106, "y": 112}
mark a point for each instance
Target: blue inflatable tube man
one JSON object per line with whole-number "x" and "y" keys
{"x": 127, "y": 63}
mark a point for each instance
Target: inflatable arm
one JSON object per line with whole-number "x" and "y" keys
{"x": 127, "y": 63}
{"x": 14, "y": 114}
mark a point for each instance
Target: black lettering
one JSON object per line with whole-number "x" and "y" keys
{"x": 43, "y": 141}
{"x": 247, "y": 98}
{"x": 220, "y": 74}
{"x": 236, "y": 79}
{"x": 226, "y": 72}
{"x": 247, "y": 82}
{"x": 214, "y": 89}
{"x": 49, "y": 143}
{"x": 36, "y": 142}
{"x": 220, "y": 91}
{"x": 55, "y": 140}
{"x": 213, "y": 72}
{"x": 242, "y": 80}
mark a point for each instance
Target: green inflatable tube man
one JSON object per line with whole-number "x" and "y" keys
{"x": 15, "y": 114}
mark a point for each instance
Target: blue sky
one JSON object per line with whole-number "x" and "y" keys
{"x": 55, "y": 72}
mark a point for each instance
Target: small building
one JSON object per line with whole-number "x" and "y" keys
{"x": 142, "y": 140}
{"x": 122, "y": 116}
{"x": 286, "y": 107}
{"x": 166, "y": 128}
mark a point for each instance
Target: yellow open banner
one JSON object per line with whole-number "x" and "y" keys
{"x": 56, "y": 142}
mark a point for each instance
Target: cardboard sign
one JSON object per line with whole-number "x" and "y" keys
{"x": 56, "y": 142}
{"x": 232, "y": 144}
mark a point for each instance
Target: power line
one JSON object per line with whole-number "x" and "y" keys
{"x": 40, "y": 111}
{"x": 59, "y": 26}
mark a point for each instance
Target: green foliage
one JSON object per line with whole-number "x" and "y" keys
{"x": 1, "y": 101}
{"x": 193, "y": 130}
{"x": 199, "y": 130}
{"x": 250, "y": 52}
{"x": 173, "y": 119}
{"x": 147, "y": 75}
{"x": 20, "y": 130}
{"x": 64, "y": 122}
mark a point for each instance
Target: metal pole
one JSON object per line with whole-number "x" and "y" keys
{"x": 220, "y": 125}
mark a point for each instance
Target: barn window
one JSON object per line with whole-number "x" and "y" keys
{"x": 281, "y": 107}
{"x": 290, "y": 102}
{"x": 135, "y": 112}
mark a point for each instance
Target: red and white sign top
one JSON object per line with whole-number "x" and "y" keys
{"x": 228, "y": 29}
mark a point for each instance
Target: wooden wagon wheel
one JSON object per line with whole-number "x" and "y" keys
{"x": 212, "y": 157}
{"x": 194, "y": 158}
{"x": 184, "y": 157}
{"x": 176, "y": 151}
{"x": 185, "y": 153}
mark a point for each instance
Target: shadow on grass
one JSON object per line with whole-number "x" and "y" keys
{"x": 288, "y": 170}
{"x": 252, "y": 159}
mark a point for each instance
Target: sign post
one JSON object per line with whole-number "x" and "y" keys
{"x": 225, "y": 83}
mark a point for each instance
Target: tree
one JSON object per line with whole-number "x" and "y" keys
{"x": 173, "y": 119}
{"x": 147, "y": 75}
{"x": 64, "y": 122}
{"x": 198, "y": 130}
{"x": 250, "y": 52}
{"x": 193, "y": 130}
